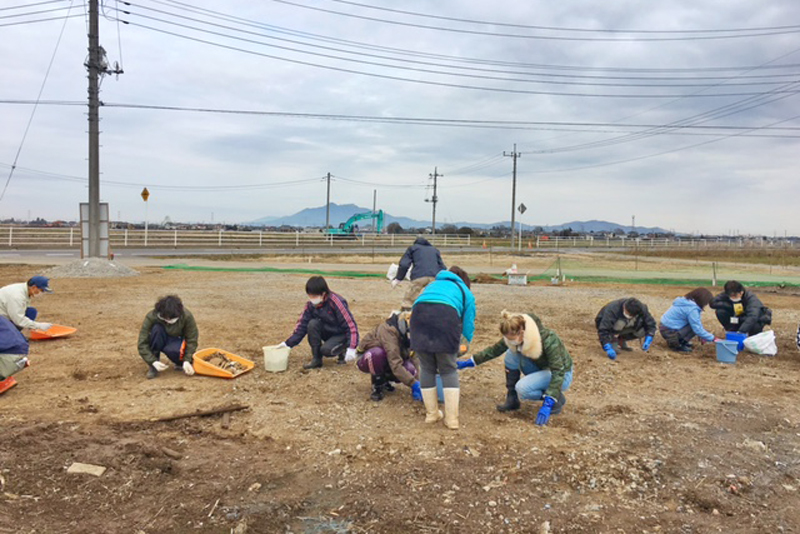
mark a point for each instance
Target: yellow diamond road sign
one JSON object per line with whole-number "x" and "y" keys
{"x": 145, "y": 194}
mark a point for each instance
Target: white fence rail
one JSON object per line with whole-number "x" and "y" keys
{"x": 20, "y": 237}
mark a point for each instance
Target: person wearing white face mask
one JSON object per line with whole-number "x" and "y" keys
{"x": 739, "y": 310}
{"x": 169, "y": 328}
{"x": 624, "y": 320}
{"x": 329, "y": 324}
{"x": 538, "y": 365}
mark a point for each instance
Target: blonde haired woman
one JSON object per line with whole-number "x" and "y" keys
{"x": 538, "y": 366}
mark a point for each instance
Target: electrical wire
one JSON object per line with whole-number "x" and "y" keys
{"x": 399, "y": 78}
{"x": 473, "y": 72}
{"x": 45, "y": 175}
{"x": 559, "y": 28}
{"x": 755, "y": 33}
{"x": 405, "y": 52}
{"x": 34, "y": 4}
{"x": 36, "y": 105}
{"x": 24, "y": 22}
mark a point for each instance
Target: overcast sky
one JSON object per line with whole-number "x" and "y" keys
{"x": 682, "y": 113}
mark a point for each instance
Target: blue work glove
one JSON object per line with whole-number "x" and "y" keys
{"x": 610, "y": 351}
{"x": 544, "y": 412}
{"x": 416, "y": 391}
{"x": 647, "y": 342}
{"x": 463, "y": 364}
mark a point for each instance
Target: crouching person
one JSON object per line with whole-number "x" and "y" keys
{"x": 328, "y": 322}
{"x": 168, "y": 328}
{"x": 538, "y": 366}
{"x": 385, "y": 353}
{"x": 624, "y": 320}
{"x": 13, "y": 353}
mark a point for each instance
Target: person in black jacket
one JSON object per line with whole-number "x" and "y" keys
{"x": 621, "y": 321}
{"x": 427, "y": 263}
{"x": 739, "y": 310}
{"x": 331, "y": 328}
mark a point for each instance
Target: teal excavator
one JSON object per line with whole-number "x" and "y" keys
{"x": 349, "y": 227}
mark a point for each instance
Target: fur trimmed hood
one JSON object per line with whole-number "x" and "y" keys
{"x": 532, "y": 338}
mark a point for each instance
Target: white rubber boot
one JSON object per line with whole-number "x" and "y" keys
{"x": 451, "y": 398}
{"x": 431, "y": 400}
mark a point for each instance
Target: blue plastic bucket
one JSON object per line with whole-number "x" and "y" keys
{"x": 736, "y": 336}
{"x": 727, "y": 351}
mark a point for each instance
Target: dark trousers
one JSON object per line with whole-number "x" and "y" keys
{"x": 724, "y": 316}
{"x": 324, "y": 341}
{"x": 676, "y": 338}
{"x": 172, "y": 347}
{"x": 629, "y": 334}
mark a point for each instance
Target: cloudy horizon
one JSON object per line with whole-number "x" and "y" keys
{"x": 682, "y": 114}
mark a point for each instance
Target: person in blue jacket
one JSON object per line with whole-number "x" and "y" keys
{"x": 331, "y": 327}
{"x": 682, "y": 321}
{"x": 443, "y": 312}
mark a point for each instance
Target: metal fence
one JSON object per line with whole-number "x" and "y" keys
{"x": 23, "y": 237}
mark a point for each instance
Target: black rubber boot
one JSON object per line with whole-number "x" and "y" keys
{"x": 623, "y": 345}
{"x": 512, "y": 399}
{"x": 559, "y": 405}
{"x": 315, "y": 363}
{"x": 151, "y": 372}
{"x": 388, "y": 387}
{"x": 377, "y": 389}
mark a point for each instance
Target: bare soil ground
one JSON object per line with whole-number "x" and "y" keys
{"x": 656, "y": 442}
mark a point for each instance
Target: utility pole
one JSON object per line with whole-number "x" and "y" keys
{"x": 514, "y": 155}
{"x": 96, "y": 65}
{"x": 374, "y": 206}
{"x": 633, "y": 223}
{"x": 434, "y": 199}
{"x": 328, "y": 205}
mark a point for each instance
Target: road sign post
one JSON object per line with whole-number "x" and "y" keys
{"x": 145, "y": 196}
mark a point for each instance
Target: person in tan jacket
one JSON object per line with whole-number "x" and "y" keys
{"x": 385, "y": 354}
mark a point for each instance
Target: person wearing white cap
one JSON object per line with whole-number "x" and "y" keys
{"x": 16, "y": 314}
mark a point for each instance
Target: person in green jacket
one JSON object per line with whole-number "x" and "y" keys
{"x": 169, "y": 328}
{"x": 538, "y": 366}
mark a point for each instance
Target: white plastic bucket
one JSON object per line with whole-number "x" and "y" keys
{"x": 276, "y": 358}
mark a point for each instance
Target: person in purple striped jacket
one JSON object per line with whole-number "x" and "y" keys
{"x": 330, "y": 326}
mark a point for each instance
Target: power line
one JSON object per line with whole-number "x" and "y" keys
{"x": 559, "y": 28}
{"x": 35, "y": 106}
{"x": 754, "y": 33}
{"x": 393, "y": 77}
{"x": 551, "y": 78}
{"x": 405, "y": 52}
{"x": 21, "y": 23}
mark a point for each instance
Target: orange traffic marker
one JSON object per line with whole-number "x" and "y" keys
{"x": 484, "y": 243}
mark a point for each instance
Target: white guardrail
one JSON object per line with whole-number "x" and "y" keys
{"x": 12, "y": 237}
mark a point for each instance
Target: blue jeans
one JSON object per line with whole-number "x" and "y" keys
{"x": 535, "y": 380}
{"x": 172, "y": 347}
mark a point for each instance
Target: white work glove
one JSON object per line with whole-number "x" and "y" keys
{"x": 283, "y": 345}
{"x": 188, "y": 368}
{"x": 160, "y": 366}
{"x": 350, "y": 355}
{"x": 395, "y": 282}
{"x": 42, "y": 326}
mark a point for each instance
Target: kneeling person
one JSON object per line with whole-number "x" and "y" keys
{"x": 538, "y": 366}
{"x": 624, "y": 320}
{"x": 169, "y": 328}
{"x": 385, "y": 353}
{"x": 739, "y": 310}
{"x": 329, "y": 324}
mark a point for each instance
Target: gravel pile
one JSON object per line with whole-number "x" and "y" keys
{"x": 91, "y": 268}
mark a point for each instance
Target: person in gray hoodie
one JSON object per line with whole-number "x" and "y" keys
{"x": 426, "y": 261}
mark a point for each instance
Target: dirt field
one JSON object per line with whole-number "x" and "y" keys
{"x": 656, "y": 442}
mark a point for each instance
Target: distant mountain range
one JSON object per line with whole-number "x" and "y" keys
{"x": 339, "y": 213}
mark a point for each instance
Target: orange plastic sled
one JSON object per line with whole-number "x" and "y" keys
{"x": 202, "y": 367}
{"x": 53, "y": 332}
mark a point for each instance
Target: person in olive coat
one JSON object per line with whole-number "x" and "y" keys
{"x": 169, "y": 328}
